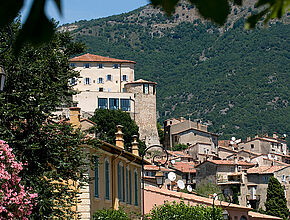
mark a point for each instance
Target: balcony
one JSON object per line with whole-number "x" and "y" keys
{"x": 253, "y": 197}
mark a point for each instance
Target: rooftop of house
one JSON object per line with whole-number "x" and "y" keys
{"x": 179, "y": 154}
{"x": 184, "y": 167}
{"x": 265, "y": 169}
{"x": 141, "y": 81}
{"x": 96, "y": 58}
{"x": 227, "y": 148}
{"x": 229, "y": 162}
{"x": 156, "y": 168}
{"x": 261, "y": 216}
{"x": 196, "y": 129}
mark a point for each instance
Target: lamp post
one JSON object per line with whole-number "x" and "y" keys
{"x": 225, "y": 212}
{"x": 159, "y": 175}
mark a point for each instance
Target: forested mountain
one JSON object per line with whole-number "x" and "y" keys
{"x": 235, "y": 80}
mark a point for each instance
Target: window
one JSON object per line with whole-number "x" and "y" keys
{"x": 87, "y": 65}
{"x": 102, "y": 103}
{"x": 97, "y": 177}
{"x": 127, "y": 187}
{"x": 107, "y": 180}
{"x": 100, "y": 80}
{"x": 146, "y": 88}
{"x": 100, "y": 65}
{"x": 72, "y": 64}
{"x": 87, "y": 81}
{"x": 252, "y": 146}
{"x": 123, "y": 184}
{"x": 154, "y": 89}
{"x": 124, "y": 78}
{"x": 125, "y": 104}
{"x": 101, "y": 89}
{"x": 114, "y": 104}
{"x": 73, "y": 81}
{"x": 109, "y": 89}
{"x": 136, "y": 187}
{"x": 130, "y": 187}
{"x": 109, "y": 77}
{"x": 116, "y": 66}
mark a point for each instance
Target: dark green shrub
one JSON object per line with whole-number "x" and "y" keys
{"x": 178, "y": 211}
{"x": 110, "y": 214}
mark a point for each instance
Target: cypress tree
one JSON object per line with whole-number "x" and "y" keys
{"x": 276, "y": 203}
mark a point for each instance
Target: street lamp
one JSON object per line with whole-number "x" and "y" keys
{"x": 159, "y": 175}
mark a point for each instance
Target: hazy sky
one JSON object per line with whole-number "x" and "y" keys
{"x": 74, "y": 10}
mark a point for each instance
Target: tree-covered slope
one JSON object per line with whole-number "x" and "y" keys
{"x": 235, "y": 80}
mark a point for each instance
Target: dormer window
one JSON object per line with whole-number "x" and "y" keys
{"x": 87, "y": 65}
{"x": 100, "y": 65}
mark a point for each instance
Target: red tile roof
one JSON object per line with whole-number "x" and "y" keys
{"x": 185, "y": 167}
{"x": 261, "y": 216}
{"x": 265, "y": 169}
{"x": 156, "y": 168}
{"x": 230, "y": 162}
{"x": 141, "y": 81}
{"x": 179, "y": 154}
{"x": 96, "y": 58}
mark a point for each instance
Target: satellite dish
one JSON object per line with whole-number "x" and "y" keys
{"x": 173, "y": 161}
{"x": 284, "y": 135}
{"x": 233, "y": 139}
{"x": 189, "y": 188}
{"x": 239, "y": 141}
{"x": 171, "y": 176}
{"x": 180, "y": 184}
{"x": 231, "y": 142}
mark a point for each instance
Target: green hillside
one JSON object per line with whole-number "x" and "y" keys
{"x": 237, "y": 81}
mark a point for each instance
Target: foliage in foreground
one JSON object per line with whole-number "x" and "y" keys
{"x": 110, "y": 214}
{"x": 276, "y": 203}
{"x": 207, "y": 188}
{"x": 178, "y": 211}
{"x": 179, "y": 147}
{"x": 16, "y": 201}
{"x": 36, "y": 85}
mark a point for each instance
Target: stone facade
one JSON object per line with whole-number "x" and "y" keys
{"x": 145, "y": 109}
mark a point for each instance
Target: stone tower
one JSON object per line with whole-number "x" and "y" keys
{"x": 145, "y": 109}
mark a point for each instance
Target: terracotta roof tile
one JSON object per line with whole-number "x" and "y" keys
{"x": 264, "y": 169}
{"x": 261, "y": 216}
{"x": 156, "y": 168}
{"x": 185, "y": 167}
{"x": 230, "y": 162}
{"x": 141, "y": 81}
{"x": 96, "y": 58}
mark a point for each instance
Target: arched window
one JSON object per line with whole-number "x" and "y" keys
{"x": 121, "y": 182}
{"x": 97, "y": 177}
{"x": 127, "y": 186}
{"x": 107, "y": 179}
{"x": 136, "y": 187}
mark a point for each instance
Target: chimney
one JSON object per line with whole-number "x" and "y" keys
{"x": 256, "y": 135}
{"x": 74, "y": 113}
{"x": 236, "y": 164}
{"x": 248, "y": 138}
{"x": 182, "y": 119}
{"x": 275, "y": 135}
{"x": 119, "y": 137}
{"x": 135, "y": 149}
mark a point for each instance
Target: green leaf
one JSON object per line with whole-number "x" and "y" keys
{"x": 9, "y": 10}
{"x": 238, "y": 2}
{"x": 168, "y": 6}
{"x": 58, "y": 4}
{"x": 37, "y": 28}
{"x": 215, "y": 10}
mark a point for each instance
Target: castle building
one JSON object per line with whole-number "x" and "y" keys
{"x": 108, "y": 83}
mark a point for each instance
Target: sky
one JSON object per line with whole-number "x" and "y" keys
{"x": 75, "y": 10}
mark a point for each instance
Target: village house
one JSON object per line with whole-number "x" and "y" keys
{"x": 116, "y": 175}
{"x": 201, "y": 143}
{"x": 257, "y": 183}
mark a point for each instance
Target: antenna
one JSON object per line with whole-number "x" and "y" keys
{"x": 171, "y": 176}
{"x": 233, "y": 138}
{"x": 189, "y": 188}
{"x": 180, "y": 184}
